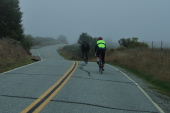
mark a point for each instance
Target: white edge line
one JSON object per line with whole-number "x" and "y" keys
{"x": 156, "y": 105}
{"x": 39, "y": 54}
{"x": 20, "y": 67}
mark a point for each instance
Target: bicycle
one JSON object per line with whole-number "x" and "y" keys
{"x": 85, "y": 57}
{"x": 100, "y": 65}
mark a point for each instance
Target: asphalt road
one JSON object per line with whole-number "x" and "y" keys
{"x": 56, "y": 85}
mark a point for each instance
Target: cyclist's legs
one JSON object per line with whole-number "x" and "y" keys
{"x": 98, "y": 55}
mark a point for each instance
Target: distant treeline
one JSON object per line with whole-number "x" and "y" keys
{"x": 44, "y": 41}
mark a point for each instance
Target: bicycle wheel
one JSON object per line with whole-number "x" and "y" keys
{"x": 100, "y": 66}
{"x": 101, "y": 69}
{"x": 85, "y": 60}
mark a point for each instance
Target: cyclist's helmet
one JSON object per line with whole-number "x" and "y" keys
{"x": 100, "y": 38}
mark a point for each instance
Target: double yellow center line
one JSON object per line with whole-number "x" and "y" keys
{"x": 40, "y": 103}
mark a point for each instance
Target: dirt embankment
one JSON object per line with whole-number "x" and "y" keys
{"x": 12, "y": 54}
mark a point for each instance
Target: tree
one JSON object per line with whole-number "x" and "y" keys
{"x": 62, "y": 39}
{"x": 85, "y": 37}
{"x": 27, "y": 42}
{"x": 90, "y": 40}
{"x": 132, "y": 43}
{"x": 10, "y": 19}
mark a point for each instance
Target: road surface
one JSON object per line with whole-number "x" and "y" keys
{"x": 56, "y": 85}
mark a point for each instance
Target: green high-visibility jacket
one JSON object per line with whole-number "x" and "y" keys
{"x": 101, "y": 44}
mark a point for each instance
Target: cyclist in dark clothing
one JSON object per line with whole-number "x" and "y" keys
{"x": 100, "y": 49}
{"x": 85, "y": 49}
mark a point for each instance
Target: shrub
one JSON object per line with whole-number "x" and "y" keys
{"x": 132, "y": 43}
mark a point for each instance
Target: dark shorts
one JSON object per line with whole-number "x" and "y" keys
{"x": 102, "y": 53}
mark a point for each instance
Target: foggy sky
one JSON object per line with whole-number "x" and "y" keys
{"x": 149, "y": 20}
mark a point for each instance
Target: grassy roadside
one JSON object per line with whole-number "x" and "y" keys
{"x": 160, "y": 86}
{"x": 16, "y": 64}
{"x": 150, "y": 65}
{"x": 13, "y": 55}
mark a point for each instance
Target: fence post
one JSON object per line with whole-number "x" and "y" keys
{"x": 152, "y": 45}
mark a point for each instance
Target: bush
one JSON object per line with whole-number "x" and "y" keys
{"x": 27, "y": 43}
{"x": 132, "y": 43}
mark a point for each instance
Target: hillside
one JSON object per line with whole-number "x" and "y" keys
{"x": 12, "y": 55}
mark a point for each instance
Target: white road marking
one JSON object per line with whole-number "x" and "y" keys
{"x": 159, "y": 109}
{"x": 20, "y": 67}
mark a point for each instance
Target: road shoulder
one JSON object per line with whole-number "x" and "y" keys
{"x": 161, "y": 100}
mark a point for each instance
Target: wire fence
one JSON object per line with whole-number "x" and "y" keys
{"x": 158, "y": 45}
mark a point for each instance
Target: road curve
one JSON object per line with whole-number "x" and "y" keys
{"x": 56, "y": 85}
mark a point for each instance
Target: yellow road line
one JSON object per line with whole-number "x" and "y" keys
{"x": 40, "y": 103}
{"x": 50, "y": 55}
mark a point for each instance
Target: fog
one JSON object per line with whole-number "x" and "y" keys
{"x": 149, "y": 20}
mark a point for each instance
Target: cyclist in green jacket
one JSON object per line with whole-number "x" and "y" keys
{"x": 100, "y": 49}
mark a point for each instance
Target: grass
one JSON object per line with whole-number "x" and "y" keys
{"x": 12, "y": 55}
{"x": 12, "y": 65}
{"x": 161, "y": 86}
{"x": 151, "y": 65}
